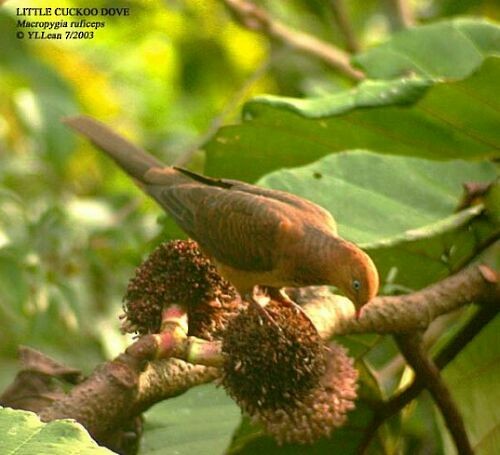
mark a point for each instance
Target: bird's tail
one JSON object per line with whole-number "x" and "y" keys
{"x": 132, "y": 159}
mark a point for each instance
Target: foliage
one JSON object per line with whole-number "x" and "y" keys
{"x": 72, "y": 227}
{"x": 437, "y": 118}
{"x": 24, "y": 434}
{"x": 425, "y": 239}
{"x": 472, "y": 377}
{"x": 209, "y": 414}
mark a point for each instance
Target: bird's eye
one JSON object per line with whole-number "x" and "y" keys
{"x": 356, "y": 284}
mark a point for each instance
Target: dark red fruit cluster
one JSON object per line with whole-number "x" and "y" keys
{"x": 174, "y": 273}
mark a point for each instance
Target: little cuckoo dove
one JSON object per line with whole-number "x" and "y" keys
{"x": 253, "y": 235}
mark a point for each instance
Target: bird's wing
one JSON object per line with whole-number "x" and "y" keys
{"x": 313, "y": 212}
{"x": 309, "y": 209}
{"x": 238, "y": 229}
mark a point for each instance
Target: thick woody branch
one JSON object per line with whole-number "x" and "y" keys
{"x": 111, "y": 396}
{"x": 146, "y": 373}
{"x": 333, "y": 315}
{"x": 405, "y": 314}
{"x": 121, "y": 389}
{"x": 255, "y": 18}
{"x": 143, "y": 375}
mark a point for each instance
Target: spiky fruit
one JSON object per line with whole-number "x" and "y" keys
{"x": 177, "y": 273}
{"x": 284, "y": 377}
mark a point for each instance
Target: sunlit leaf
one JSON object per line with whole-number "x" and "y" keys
{"x": 400, "y": 209}
{"x": 439, "y": 120}
{"x": 22, "y": 433}
{"x": 448, "y": 118}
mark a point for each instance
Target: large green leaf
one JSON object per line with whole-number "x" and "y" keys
{"x": 200, "y": 421}
{"x": 439, "y": 120}
{"x": 400, "y": 209}
{"x": 447, "y": 49}
{"x": 22, "y": 433}
{"x": 473, "y": 380}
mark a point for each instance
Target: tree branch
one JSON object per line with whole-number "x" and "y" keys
{"x": 395, "y": 404}
{"x": 255, "y": 18}
{"x": 344, "y": 25}
{"x": 428, "y": 373}
{"x": 403, "y": 13}
{"x": 119, "y": 390}
{"x": 333, "y": 315}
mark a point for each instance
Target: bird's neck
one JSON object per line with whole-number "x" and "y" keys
{"x": 342, "y": 256}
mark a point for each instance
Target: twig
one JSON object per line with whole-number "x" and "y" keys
{"x": 218, "y": 121}
{"x": 428, "y": 373}
{"x": 403, "y": 13}
{"x": 344, "y": 25}
{"x": 255, "y": 18}
{"x": 444, "y": 357}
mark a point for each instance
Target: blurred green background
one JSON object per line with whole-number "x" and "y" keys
{"x": 72, "y": 226}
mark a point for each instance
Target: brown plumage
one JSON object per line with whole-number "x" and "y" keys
{"x": 255, "y": 236}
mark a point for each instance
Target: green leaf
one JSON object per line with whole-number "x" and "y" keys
{"x": 400, "y": 209}
{"x": 22, "y": 433}
{"x": 369, "y": 93}
{"x": 446, "y": 49}
{"x": 200, "y": 421}
{"x": 416, "y": 117}
{"x": 473, "y": 380}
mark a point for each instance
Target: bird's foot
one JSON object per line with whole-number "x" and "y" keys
{"x": 280, "y": 296}
{"x": 250, "y": 298}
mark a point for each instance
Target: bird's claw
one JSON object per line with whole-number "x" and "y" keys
{"x": 279, "y": 295}
{"x": 260, "y": 309}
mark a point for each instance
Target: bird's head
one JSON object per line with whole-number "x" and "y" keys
{"x": 357, "y": 276}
